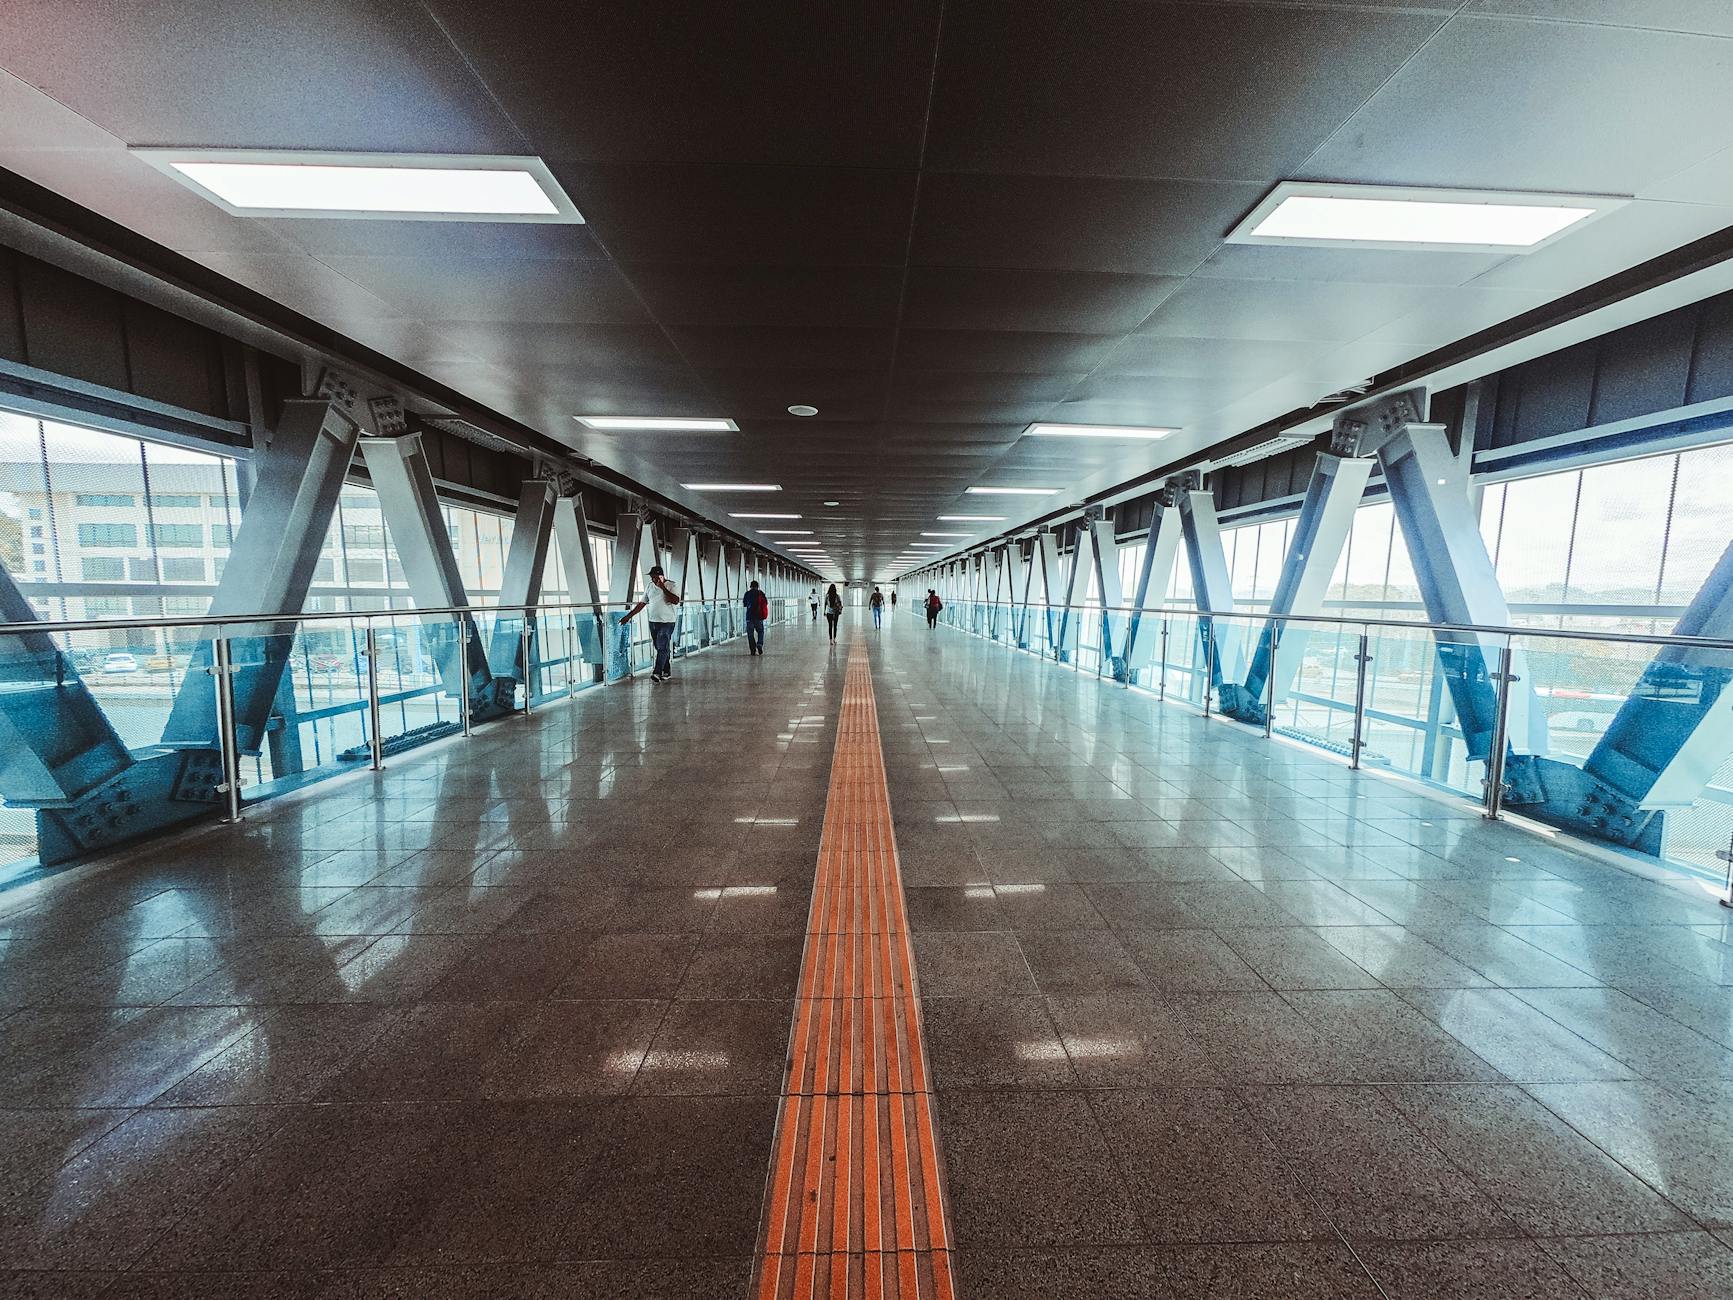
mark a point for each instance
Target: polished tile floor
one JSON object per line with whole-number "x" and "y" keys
{"x": 1206, "y": 1016}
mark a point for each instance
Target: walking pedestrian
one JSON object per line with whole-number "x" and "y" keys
{"x": 665, "y": 602}
{"x": 832, "y": 609}
{"x": 757, "y": 610}
{"x": 893, "y": 598}
{"x": 877, "y": 604}
{"x": 814, "y": 599}
{"x": 934, "y": 605}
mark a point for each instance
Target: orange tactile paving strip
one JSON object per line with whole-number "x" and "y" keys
{"x": 856, "y": 1205}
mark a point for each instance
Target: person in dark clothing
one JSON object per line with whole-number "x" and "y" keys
{"x": 934, "y": 605}
{"x": 877, "y": 602}
{"x": 757, "y": 610}
{"x": 893, "y": 597}
{"x": 832, "y": 609}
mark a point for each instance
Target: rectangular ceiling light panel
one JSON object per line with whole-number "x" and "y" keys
{"x": 380, "y": 186}
{"x": 736, "y": 515}
{"x": 732, "y": 487}
{"x": 971, "y": 519}
{"x": 1126, "y": 432}
{"x": 1010, "y": 491}
{"x": 1396, "y": 217}
{"x": 659, "y": 423}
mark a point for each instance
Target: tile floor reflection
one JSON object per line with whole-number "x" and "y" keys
{"x": 1211, "y": 1016}
{"x": 1206, "y": 1016}
{"x": 509, "y": 1018}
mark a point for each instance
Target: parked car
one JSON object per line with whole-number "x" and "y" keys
{"x": 119, "y": 662}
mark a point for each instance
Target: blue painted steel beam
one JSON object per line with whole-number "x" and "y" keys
{"x": 1320, "y": 532}
{"x": 296, "y": 482}
{"x": 1212, "y": 588}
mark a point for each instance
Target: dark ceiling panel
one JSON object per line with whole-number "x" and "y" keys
{"x": 1141, "y": 88}
{"x": 777, "y": 81}
{"x": 1068, "y": 223}
{"x": 787, "y": 296}
{"x": 766, "y": 347}
{"x": 497, "y": 289}
{"x": 1010, "y": 351}
{"x": 516, "y": 344}
{"x": 981, "y": 298}
{"x": 365, "y": 74}
{"x": 1507, "y": 104}
{"x": 838, "y": 394}
{"x": 1248, "y": 309}
{"x": 1189, "y": 358}
{"x": 975, "y": 386}
{"x": 742, "y": 216}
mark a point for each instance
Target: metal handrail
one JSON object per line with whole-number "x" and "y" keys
{"x": 323, "y": 616}
{"x": 1471, "y": 629}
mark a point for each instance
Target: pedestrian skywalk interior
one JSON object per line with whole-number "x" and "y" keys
{"x": 1237, "y": 800}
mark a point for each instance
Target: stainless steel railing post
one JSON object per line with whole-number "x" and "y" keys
{"x": 571, "y": 646}
{"x": 1500, "y": 738}
{"x": 1270, "y": 683}
{"x": 1209, "y": 666}
{"x": 463, "y": 673}
{"x": 375, "y": 743}
{"x": 526, "y": 640}
{"x": 1361, "y": 659}
{"x": 1161, "y": 676}
{"x": 228, "y": 744}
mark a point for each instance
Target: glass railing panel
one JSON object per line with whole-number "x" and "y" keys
{"x": 1410, "y": 717}
{"x": 1647, "y": 725}
{"x": 321, "y": 702}
{"x": 1315, "y": 673}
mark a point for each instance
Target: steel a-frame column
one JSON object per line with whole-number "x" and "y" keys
{"x": 296, "y": 482}
{"x": 1103, "y": 552}
{"x": 634, "y": 542}
{"x": 1154, "y": 578}
{"x": 1074, "y": 581}
{"x": 1219, "y": 639}
{"x": 683, "y": 573}
{"x": 578, "y": 562}
{"x": 1326, "y": 517}
{"x": 1047, "y": 572}
{"x": 1666, "y": 742}
{"x": 416, "y": 524}
{"x": 525, "y": 562}
{"x": 715, "y": 599}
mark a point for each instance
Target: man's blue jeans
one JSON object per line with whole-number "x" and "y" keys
{"x": 878, "y": 614}
{"x": 755, "y": 634}
{"x": 663, "y": 635}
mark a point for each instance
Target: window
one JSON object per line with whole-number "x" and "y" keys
{"x": 142, "y": 570}
{"x": 33, "y": 513}
{"x": 104, "y": 570}
{"x": 37, "y": 548}
{"x": 105, "y": 499}
{"x": 178, "y": 534}
{"x": 107, "y": 607}
{"x": 369, "y": 536}
{"x": 367, "y": 573}
{"x": 222, "y": 535}
{"x": 183, "y": 606}
{"x": 36, "y": 531}
{"x": 107, "y": 535}
{"x": 185, "y": 568}
{"x": 176, "y": 500}
{"x": 325, "y": 572}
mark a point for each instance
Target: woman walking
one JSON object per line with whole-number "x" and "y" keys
{"x": 832, "y": 609}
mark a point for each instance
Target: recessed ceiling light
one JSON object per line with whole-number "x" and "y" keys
{"x": 402, "y": 187}
{"x": 801, "y": 409}
{"x": 660, "y": 423}
{"x": 944, "y": 534}
{"x": 1010, "y": 491}
{"x": 733, "y": 515}
{"x": 732, "y": 487}
{"x": 833, "y": 503}
{"x": 971, "y": 519}
{"x": 1122, "y": 431}
{"x": 1398, "y": 217}
{"x": 785, "y": 532}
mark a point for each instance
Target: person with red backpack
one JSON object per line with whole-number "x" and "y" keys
{"x": 757, "y": 610}
{"x": 934, "y": 605}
